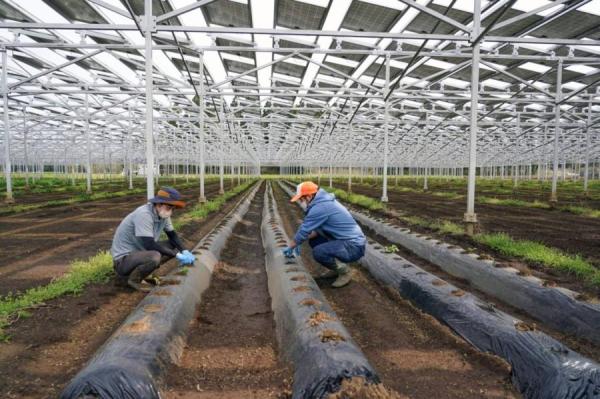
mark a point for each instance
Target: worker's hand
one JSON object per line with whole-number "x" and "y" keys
{"x": 185, "y": 258}
{"x": 289, "y": 252}
{"x": 190, "y": 255}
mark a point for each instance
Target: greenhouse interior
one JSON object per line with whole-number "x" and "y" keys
{"x": 295, "y": 199}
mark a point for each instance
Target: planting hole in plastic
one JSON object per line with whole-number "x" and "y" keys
{"x": 153, "y": 308}
{"x": 318, "y": 318}
{"x": 331, "y": 336}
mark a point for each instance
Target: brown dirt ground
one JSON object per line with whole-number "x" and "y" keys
{"x": 50, "y": 347}
{"x": 232, "y": 350}
{"x": 522, "y": 192}
{"x": 413, "y": 353}
{"x": 38, "y": 246}
{"x": 572, "y": 233}
{"x": 579, "y": 345}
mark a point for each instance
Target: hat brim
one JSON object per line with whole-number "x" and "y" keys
{"x": 177, "y": 204}
{"x": 296, "y": 197}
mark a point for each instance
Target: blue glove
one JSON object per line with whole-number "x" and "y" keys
{"x": 190, "y": 256}
{"x": 185, "y": 257}
{"x": 291, "y": 252}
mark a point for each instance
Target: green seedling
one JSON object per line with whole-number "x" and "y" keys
{"x": 391, "y": 249}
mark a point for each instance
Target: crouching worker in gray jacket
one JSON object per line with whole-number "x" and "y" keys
{"x": 136, "y": 249}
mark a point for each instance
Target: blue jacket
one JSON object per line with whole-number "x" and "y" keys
{"x": 328, "y": 216}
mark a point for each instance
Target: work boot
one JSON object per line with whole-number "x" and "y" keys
{"x": 135, "y": 281}
{"x": 344, "y": 275}
{"x": 328, "y": 274}
{"x": 120, "y": 281}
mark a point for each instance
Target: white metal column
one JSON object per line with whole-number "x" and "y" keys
{"x": 386, "y": 117}
{"x": 88, "y": 143}
{"x": 201, "y": 123}
{"x": 25, "y": 147}
{"x": 588, "y": 132}
{"x": 7, "y": 163}
{"x": 470, "y": 215}
{"x": 149, "y": 22}
{"x": 129, "y": 150}
{"x": 553, "y": 197}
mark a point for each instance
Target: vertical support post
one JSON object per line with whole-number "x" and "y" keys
{"x": 553, "y": 197}
{"x": 545, "y": 175}
{"x": 586, "y": 172}
{"x": 470, "y": 215}
{"x": 25, "y": 148}
{"x": 516, "y": 165}
{"x": 88, "y": 140}
{"x": 129, "y": 148}
{"x": 221, "y": 152}
{"x": 350, "y": 134}
{"x": 386, "y": 117}
{"x": 330, "y": 174}
{"x": 7, "y": 164}
{"x": 202, "y": 198}
{"x": 148, "y": 19}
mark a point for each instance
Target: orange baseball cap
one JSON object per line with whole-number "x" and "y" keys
{"x": 304, "y": 188}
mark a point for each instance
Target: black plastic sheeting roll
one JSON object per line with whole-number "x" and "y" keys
{"x": 541, "y": 366}
{"x": 133, "y": 360}
{"x": 557, "y": 307}
{"x": 319, "y": 367}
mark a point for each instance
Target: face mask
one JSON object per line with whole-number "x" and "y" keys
{"x": 303, "y": 203}
{"x": 164, "y": 213}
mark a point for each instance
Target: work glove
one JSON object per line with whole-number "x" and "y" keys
{"x": 185, "y": 258}
{"x": 191, "y": 256}
{"x": 291, "y": 252}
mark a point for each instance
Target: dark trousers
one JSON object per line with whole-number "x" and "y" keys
{"x": 145, "y": 261}
{"x": 326, "y": 251}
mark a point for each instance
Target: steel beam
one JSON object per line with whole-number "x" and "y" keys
{"x": 7, "y": 164}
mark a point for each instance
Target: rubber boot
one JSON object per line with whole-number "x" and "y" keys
{"x": 344, "y": 275}
{"x": 135, "y": 281}
{"x": 328, "y": 274}
{"x": 120, "y": 281}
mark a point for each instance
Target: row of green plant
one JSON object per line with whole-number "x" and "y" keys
{"x": 59, "y": 185}
{"x": 576, "y": 209}
{"x": 83, "y": 197}
{"x": 201, "y": 210}
{"x": 358, "y": 199}
{"x": 539, "y": 253}
{"x": 96, "y": 269}
{"x": 527, "y": 250}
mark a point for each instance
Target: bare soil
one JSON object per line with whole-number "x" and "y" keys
{"x": 50, "y": 347}
{"x": 577, "y": 344}
{"x": 38, "y": 246}
{"x": 413, "y": 353}
{"x": 569, "y": 232}
{"x": 232, "y": 350}
{"x": 505, "y": 190}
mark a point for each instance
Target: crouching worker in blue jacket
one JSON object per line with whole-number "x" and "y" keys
{"x": 333, "y": 234}
{"x": 136, "y": 249}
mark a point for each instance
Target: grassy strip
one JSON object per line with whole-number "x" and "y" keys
{"x": 527, "y": 250}
{"x": 513, "y": 202}
{"x": 539, "y": 253}
{"x": 78, "y": 199}
{"x": 581, "y": 210}
{"x": 357, "y": 199}
{"x": 73, "y": 200}
{"x": 97, "y": 269}
{"x": 578, "y": 210}
{"x": 200, "y": 211}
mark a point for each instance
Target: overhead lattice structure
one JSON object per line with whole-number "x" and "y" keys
{"x": 380, "y": 83}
